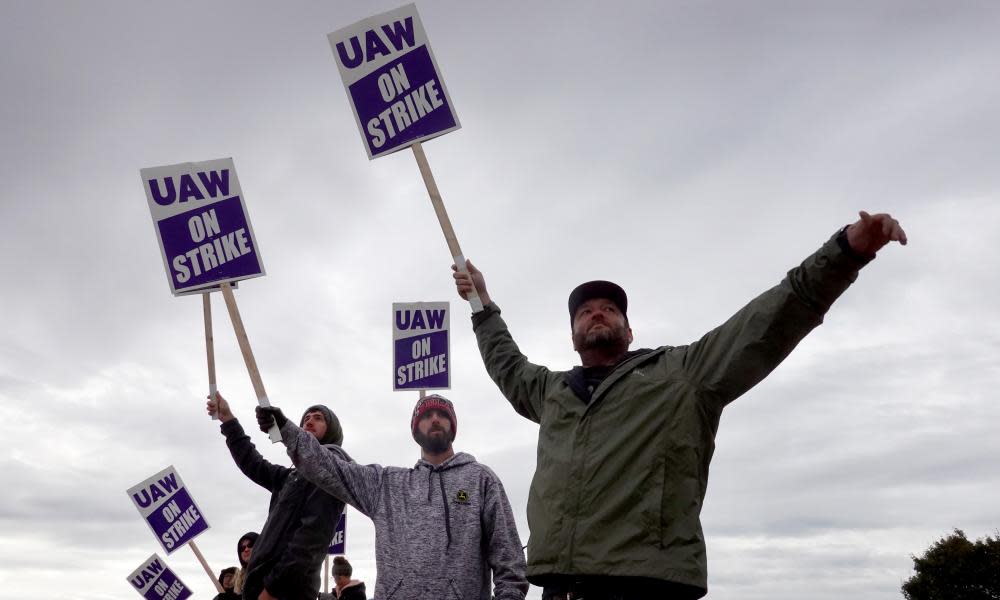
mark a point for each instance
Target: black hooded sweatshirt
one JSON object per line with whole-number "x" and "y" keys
{"x": 288, "y": 555}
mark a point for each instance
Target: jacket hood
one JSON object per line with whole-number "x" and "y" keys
{"x": 459, "y": 459}
{"x": 334, "y": 432}
{"x": 252, "y": 537}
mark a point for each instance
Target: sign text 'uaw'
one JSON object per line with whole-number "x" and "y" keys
{"x": 202, "y": 224}
{"x": 155, "y": 581}
{"x": 393, "y": 81}
{"x": 168, "y": 508}
{"x": 420, "y": 346}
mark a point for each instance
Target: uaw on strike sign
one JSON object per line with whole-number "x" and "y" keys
{"x": 155, "y": 581}
{"x": 420, "y": 346}
{"x": 393, "y": 81}
{"x": 202, "y": 224}
{"x": 168, "y": 508}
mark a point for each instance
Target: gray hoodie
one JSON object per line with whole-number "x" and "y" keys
{"x": 440, "y": 531}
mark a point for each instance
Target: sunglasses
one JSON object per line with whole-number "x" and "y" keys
{"x": 244, "y": 547}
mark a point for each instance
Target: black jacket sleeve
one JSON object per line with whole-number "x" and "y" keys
{"x": 267, "y": 475}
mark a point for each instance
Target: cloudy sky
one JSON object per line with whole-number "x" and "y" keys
{"x": 691, "y": 151}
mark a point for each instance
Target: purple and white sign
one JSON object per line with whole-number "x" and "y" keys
{"x": 201, "y": 223}
{"x": 155, "y": 581}
{"x": 168, "y": 508}
{"x": 420, "y": 346}
{"x": 339, "y": 543}
{"x": 393, "y": 81}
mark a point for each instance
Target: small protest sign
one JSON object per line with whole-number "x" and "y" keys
{"x": 339, "y": 543}
{"x": 420, "y": 346}
{"x": 168, "y": 508}
{"x": 202, "y": 224}
{"x": 393, "y": 81}
{"x": 155, "y": 581}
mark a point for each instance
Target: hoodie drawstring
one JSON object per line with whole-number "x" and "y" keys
{"x": 447, "y": 515}
{"x": 444, "y": 500}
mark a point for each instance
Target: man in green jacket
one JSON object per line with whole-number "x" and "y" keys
{"x": 625, "y": 439}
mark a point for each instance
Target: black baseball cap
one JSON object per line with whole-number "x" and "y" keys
{"x": 597, "y": 289}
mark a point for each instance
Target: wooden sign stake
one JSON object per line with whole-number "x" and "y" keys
{"x": 204, "y": 563}
{"x": 442, "y": 215}
{"x": 241, "y": 337}
{"x": 206, "y": 304}
{"x": 326, "y": 573}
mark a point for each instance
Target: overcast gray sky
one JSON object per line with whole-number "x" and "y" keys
{"x": 691, "y": 151}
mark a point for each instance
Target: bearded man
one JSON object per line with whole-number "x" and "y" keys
{"x": 626, "y": 438}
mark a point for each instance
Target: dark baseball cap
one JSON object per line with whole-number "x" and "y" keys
{"x": 597, "y": 289}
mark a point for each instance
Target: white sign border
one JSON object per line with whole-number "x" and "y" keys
{"x": 420, "y": 35}
{"x": 148, "y": 173}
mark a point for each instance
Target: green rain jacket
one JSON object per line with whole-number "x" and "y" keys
{"x": 620, "y": 481}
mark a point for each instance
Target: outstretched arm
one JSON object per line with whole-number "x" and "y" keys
{"x": 521, "y": 382}
{"x": 243, "y": 451}
{"x": 357, "y": 485}
{"x": 733, "y": 357}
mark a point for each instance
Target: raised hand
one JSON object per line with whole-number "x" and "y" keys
{"x": 464, "y": 282}
{"x": 269, "y": 416}
{"x": 218, "y": 405}
{"x": 871, "y": 232}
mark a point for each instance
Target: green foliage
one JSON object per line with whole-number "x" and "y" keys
{"x": 954, "y": 568}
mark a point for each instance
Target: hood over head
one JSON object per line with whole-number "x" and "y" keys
{"x": 334, "y": 432}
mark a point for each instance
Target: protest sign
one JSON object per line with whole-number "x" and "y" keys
{"x": 168, "y": 509}
{"x": 339, "y": 543}
{"x": 393, "y": 81}
{"x": 420, "y": 346}
{"x": 155, "y": 581}
{"x": 398, "y": 97}
{"x": 201, "y": 223}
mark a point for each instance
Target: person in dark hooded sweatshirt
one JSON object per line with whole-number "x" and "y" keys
{"x": 244, "y": 548}
{"x": 443, "y": 529}
{"x": 287, "y": 557}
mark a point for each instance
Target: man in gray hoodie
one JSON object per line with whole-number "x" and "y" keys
{"x": 442, "y": 528}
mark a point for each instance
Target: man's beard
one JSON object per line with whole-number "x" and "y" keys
{"x": 610, "y": 340}
{"x": 434, "y": 444}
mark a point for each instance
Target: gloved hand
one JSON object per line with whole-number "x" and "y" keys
{"x": 270, "y": 416}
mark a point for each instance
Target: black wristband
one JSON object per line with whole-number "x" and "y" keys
{"x": 845, "y": 246}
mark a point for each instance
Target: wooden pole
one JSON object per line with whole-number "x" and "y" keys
{"x": 442, "y": 215}
{"x": 206, "y": 305}
{"x": 241, "y": 338}
{"x": 204, "y": 563}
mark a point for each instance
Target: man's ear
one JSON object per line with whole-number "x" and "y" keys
{"x": 630, "y": 335}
